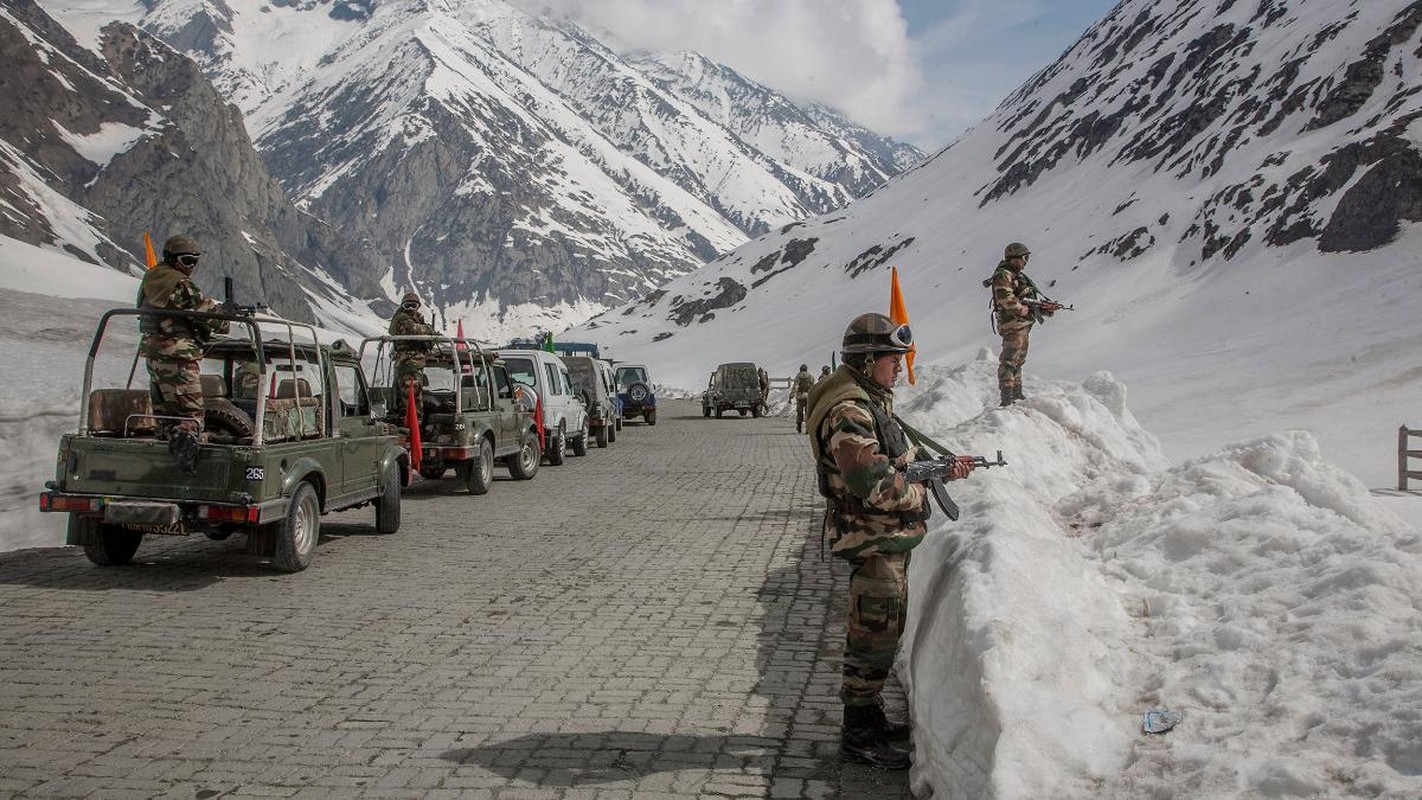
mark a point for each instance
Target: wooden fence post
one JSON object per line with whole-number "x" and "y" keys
{"x": 1402, "y": 458}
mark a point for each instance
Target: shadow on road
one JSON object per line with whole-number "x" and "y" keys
{"x": 580, "y": 759}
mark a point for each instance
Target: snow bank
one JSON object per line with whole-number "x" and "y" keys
{"x": 1259, "y": 591}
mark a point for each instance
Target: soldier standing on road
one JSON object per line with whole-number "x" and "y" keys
{"x": 824, "y": 373}
{"x": 803, "y": 383}
{"x": 764, "y": 378}
{"x": 173, "y": 346}
{"x": 877, "y": 517}
{"x": 409, "y": 356}
{"x": 1012, "y": 294}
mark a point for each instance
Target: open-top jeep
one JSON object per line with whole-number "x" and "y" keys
{"x": 287, "y": 437}
{"x": 465, "y": 409}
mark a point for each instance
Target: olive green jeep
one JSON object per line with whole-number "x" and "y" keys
{"x": 287, "y": 437}
{"x": 465, "y": 409}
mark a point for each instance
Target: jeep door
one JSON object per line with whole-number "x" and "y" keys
{"x": 360, "y": 449}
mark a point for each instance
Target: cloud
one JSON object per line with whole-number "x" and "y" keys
{"x": 852, "y": 55}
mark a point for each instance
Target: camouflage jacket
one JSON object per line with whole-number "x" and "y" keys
{"x": 803, "y": 384}
{"x": 872, "y": 509}
{"x": 165, "y": 286}
{"x": 409, "y": 323}
{"x": 1009, "y": 288}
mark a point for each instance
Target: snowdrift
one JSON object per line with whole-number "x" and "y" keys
{"x": 1258, "y": 591}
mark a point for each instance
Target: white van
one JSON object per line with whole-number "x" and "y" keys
{"x": 565, "y": 419}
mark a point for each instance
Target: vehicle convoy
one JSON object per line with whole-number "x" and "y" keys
{"x": 634, "y": 389}
{"x": 565, "y": 419}
{"x": 467, "y": 416}
{"x": 734, "y": 387}
{"x": 288, "y": 435}
{"x": 593, "y": 381}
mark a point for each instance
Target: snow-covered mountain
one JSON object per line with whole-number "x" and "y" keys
{"x": 1233, "y": 188}
{"x": 514, "y": 170}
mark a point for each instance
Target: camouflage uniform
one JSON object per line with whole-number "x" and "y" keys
{"x": 876, "y": 517}
{"x": 824, "y": 373}
{"x": 409, "y": 357}
{"x": 803, "y": 383}
{"x": 174, "y": 346}
{"x": 1010, "y": 286}
{"x": 764, "y": 378}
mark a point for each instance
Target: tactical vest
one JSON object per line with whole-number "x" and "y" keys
{"x": 895, "y": 444}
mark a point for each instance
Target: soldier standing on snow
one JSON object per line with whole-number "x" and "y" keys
{"x": 803, "y": 383}
{"x": 173, "y": 346}
{"x": 1013, "y": 295}
{"x": 877, "y": 516}
{"x": 409, "y": 356}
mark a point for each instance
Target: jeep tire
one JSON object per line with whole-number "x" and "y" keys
{"x": 219, "y": 414}
{"x": 580, "y": 441}
{"x": 477, "y": 473}
{"x": 524, "y": 464}
{"x": 432, "y": 473}
{"x": 387, "y": 505}
{"x": 297, "y": 533}
{"x": 106, "y": 544}
{"x": 558, "y": 447}
{"x": 650, "y": 417}
{"x": 603, "y": 437}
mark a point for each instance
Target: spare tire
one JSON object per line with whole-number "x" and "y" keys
{"x": 221, "y": 416}
{"x": 638, "y": 392}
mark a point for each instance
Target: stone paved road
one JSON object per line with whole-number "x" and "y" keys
{"x": 650, "y": 621}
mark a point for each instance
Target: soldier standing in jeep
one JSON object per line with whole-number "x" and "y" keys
{"x": 173, "y": 346}
{"x": 409, "y": 356}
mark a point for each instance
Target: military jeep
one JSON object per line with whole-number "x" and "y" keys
{"x": 288, "y": 435}
{"x": 465, "y": 409}
{"x": 734, "y": 387}
{"x": 593, "y": 381}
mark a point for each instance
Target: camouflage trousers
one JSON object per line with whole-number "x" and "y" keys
{"x": 878, "y": 610}
{"x": 1014, "y": 355}
{"x": 800, "y": 401}
{"x": 176, "y": 390}
{"x": 406, "y": 372}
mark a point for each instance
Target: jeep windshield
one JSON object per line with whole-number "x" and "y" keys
{"x": 583, "y": 376}
{"x": 626, "y": 376}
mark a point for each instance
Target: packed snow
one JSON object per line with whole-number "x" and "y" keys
{"x": 1260, "y": 592}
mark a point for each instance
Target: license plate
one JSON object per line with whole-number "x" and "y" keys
{"x": 174, "y": 529}
{"x": 130, "y": 512}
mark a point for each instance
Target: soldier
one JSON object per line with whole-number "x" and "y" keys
{"x": 803, "y": 383}
{"x": 1012, "y": 295}
{"x": 409, "y": 356}
{"x": 877, "y": 517}
{"x": 824, "y": 373}
{"x": 764, "y": 378}
{"x": 173, "y": 346}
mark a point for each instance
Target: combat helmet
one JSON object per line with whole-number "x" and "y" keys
{"x": 410, "y": 297}
{"x": 1016, "y": 250}
{"x": 876, "y": 333}
{"x": 804, "y": 367}
{"x": 180, "y": 245}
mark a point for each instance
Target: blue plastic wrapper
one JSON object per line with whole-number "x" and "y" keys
{"x": 1158, "y": 720}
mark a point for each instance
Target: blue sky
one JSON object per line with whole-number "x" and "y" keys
{"x": 922, "y": 71}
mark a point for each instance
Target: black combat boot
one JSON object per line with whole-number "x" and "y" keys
{"x": 1008, "y": 397}
{"x": 1017, "y": 393}
{"x": 864, "y": 742}
{"x": 183, "y": 446}
{"x": 891, "y": 731}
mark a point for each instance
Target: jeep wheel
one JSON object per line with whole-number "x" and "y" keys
{"x": 719, "y": 412}
{"x": 651, "y": 417}
{"x": 297, "y": 533}
{"x": 558, "y": 448}
{"x": 478, "y": 472}
{"x": 602, "y": 435}
{"x": 617, "y": 424}
{"x": 109, "y": 545}
{"x": 387, "y": 505}
{"x": 755, "y": 411}
{"x": 432, "y": 473}
{"x": 742, "y": 411}
{"x": 524, "y": 464}
{"x": 706, "y": 412}
{"x": 611, "y": 431}
{"x": 580, "y": 442}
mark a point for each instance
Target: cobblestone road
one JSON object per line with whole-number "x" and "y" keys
{"x": 652, "y": 620}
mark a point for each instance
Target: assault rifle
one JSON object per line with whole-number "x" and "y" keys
{"x": 1043, "y": 307}
{"x": 230, "y": 306}
{"x": 931, "y": 471}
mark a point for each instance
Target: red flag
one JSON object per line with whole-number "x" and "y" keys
{"x": 899, "y": 315}
{"x": 459, "y": 334}
{"x": 148, "y": 251}
{"x": 538, "y": 420}
{"x": 412, "y": 421}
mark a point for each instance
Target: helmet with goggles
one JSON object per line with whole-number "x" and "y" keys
{"x": 876, "y": 333}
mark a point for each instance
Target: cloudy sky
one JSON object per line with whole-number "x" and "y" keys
{"x": 918, "y": 70}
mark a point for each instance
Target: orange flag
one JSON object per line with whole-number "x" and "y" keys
{"x": 412, "y": 421}
{"x": 899, "y": 315}
{"x": 148, "y": 251}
